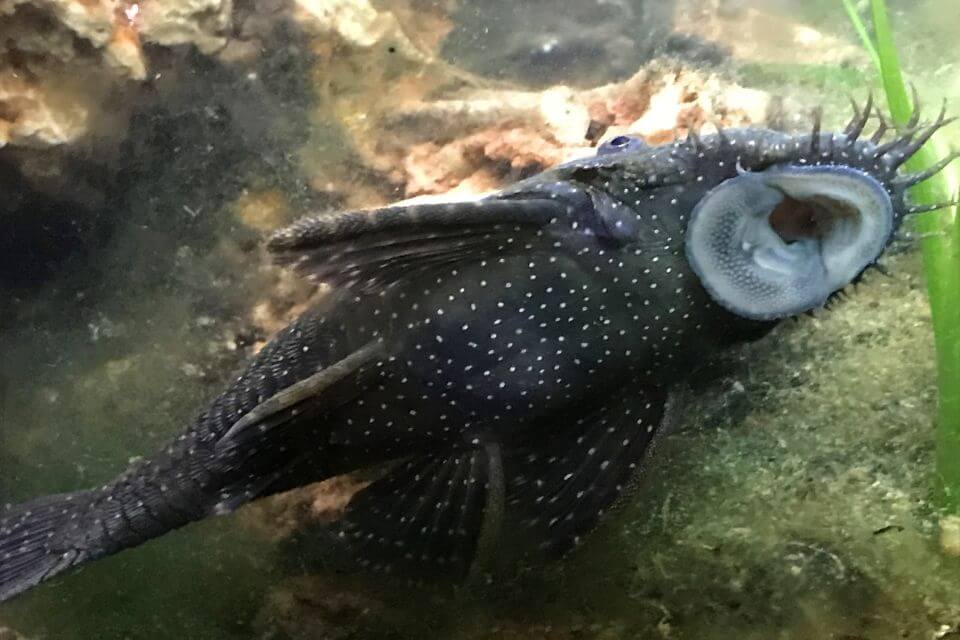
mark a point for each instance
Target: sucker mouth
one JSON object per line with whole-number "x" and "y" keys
{"x": 775, "y": 243}
{"x": 813, "y": 218}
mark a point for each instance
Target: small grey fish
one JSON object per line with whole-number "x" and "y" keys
{"x": 513, "y": 355}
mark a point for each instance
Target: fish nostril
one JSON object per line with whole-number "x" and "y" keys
{"x": 620, "y": 141}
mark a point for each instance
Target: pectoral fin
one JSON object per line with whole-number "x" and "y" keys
{"x": 563, "y": 485}
{"x": 428, "y": 517}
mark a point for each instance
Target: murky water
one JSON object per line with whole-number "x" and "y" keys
{"x": 791, "y": 499}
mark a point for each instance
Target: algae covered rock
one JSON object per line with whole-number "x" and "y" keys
{"x": 60, "y": 60}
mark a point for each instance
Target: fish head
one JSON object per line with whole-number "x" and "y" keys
{"x": 800, "y": 219}
{"x": 768, "y": 223}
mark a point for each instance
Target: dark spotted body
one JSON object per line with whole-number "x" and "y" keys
{"x": 514, "y": 354}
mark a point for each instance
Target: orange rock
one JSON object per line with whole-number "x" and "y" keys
{"x": 262, "y": 210}
{"x": 280, "y": 516}
{"x": 330, "y": 497}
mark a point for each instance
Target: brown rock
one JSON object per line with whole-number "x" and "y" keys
{"x": 278, "y": 517}
{"x": 60, "y": 59}
{"x": 478, "y": 139}
{"x": 68, "y": 69}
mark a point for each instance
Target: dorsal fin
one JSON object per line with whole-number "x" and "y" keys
{"x": 372, "y": 249}
{"x": 562, "y": 485}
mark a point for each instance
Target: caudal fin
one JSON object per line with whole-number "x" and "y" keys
{"x": 40, "y": 539}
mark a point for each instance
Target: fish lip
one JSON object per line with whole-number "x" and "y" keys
{"x": 834, "y": 272}
{"x": 880, "y": 194}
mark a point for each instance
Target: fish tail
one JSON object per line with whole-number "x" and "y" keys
{"x": 42, "y": 538}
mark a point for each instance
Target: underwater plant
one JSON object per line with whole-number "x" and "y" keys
{"x": 940, "y": 242}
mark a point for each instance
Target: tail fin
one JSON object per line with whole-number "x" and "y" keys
{"x": 40, "y": 539}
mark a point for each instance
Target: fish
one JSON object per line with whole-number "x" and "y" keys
{"x": 508, "y": 360}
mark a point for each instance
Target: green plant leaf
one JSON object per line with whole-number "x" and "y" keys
{"x": 941, "y": 256}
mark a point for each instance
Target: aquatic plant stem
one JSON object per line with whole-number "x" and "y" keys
{"x": 941, "y": 265}
{"x": 862, "y": 32}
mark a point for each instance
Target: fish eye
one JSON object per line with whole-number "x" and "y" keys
{"x": 779, "y": 242}
{"x": 621, "y": 143}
